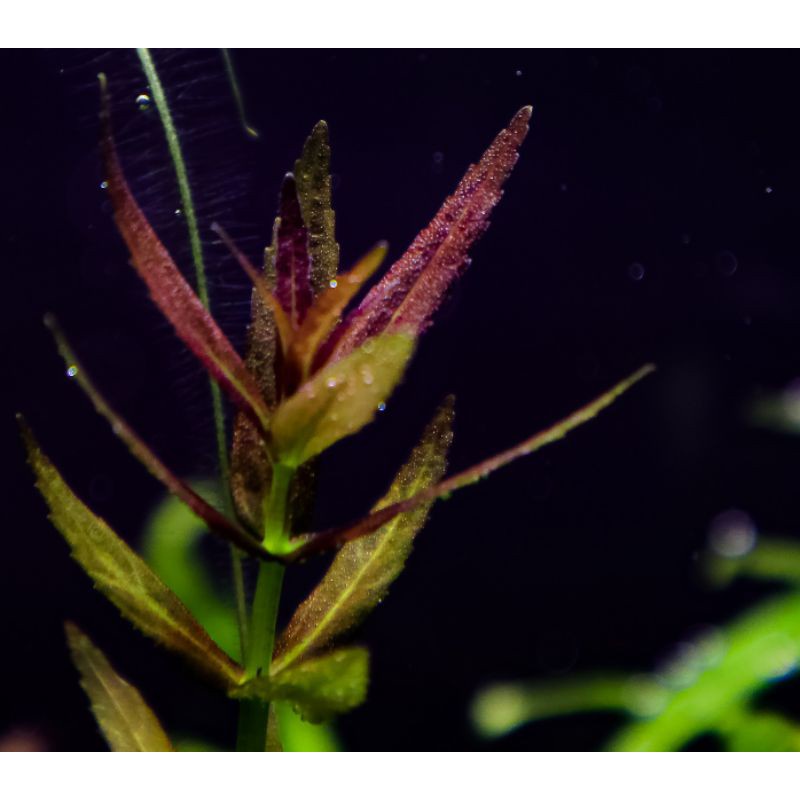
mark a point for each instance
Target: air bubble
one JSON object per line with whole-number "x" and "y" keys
{"x": 334, "y": 283}
{"x": 733, "y": 533}
{"x": 72, "y": 371}
{"x": 381, "y": 406}
{"x": 331, "y": 383}
{"x": 144, "y": 102}
{"x": 636, "y": 271}
{"x": 104, "y": 184}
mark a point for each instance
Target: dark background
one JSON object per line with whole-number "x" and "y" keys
{"x": 652, "y": 217}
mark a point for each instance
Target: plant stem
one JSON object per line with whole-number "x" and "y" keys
{"x": 196, "y": 245}
{"x": 254, "y": 714}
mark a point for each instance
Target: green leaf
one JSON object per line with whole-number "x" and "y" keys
{"x": 340, "y": 399}
{"x": 317, "y": 688}
{"x": 312, "y": 173}
{"x": 363, "y": 570}
{"x": 299, "y": 736}
{"x": 126, "y": 721}
{"x": 501, "y": 708}
{"x": 760, "y": 732}
{"x": 123, "y": 577}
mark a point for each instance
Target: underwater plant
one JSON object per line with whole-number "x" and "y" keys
{"x": 314, "y": 373}
{"x": 712, "y": 685}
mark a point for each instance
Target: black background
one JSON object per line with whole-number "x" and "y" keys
{"x": 584, "y": 556}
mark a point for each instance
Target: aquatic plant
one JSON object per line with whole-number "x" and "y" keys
{"x": 711, "y": 686}
{"x": 313, "y": 374}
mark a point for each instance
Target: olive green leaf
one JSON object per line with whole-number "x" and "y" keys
{"x": 363, "y": 570}
{"x": 317, "y": 688}
{"x": 340, "y": 399}
{"x": 126, "y": 721}
{"x": 171, "y": 546}
{"x": 123, "y": 577}
{"x": 312, "y": 174}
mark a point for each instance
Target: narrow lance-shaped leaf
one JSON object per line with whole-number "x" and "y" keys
{"x": 170, "y": 290}
{"x": 251, "y": 469}
{"x": 415, "y": 285}
{"x": 292, "y": 261}
{"x": 363, "y": 570}
{"x": 217, "y": 522}
{"x": 313, "y": 176}
{"x": 127, "y": 723}
{"x": 312, "y": 543}
{"x": 339, "y": 400}
{"x": 317, "y": 688}
{"x": 123, "y": 577}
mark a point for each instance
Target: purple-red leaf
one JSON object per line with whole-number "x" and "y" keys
{"x": 292, "y": 260}
{"x": 335, "y": 537}
{"x": 216, "y": 522}
{"x": 413, "y": 288}
{"x": 169, "y": 289}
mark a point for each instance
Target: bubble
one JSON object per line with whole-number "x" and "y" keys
{"x": 636, "y": 271}
{"x": 104, "y": 184}
{"x": 768, "y": 190}
{"x": 178, "y": 212}
{"x": 144, "y": 102}
{"x": 72, "y": 371}
{"x": 331, "y": 383}
{"x": 334, "y": 283}
{"x": 518, "y": 73}
{"x": 367, "y": 376}
{"x": 381, "y": 406}
{"x": 726, "y": 263}
{"x": 732, "y": 533}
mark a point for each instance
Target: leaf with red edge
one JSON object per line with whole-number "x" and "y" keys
{"x": 170, "y": 290}
{"x": 292, "y": 260}
{"x": 217, "y": 522}
{"x": 127, "y": 723}
{"x": 313, "y": 175}
{"x": 413, "y": 288}
{"x": 308, "y": 544}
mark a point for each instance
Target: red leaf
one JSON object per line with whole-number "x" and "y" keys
{"x": 169, "y": 289}
{"x": 292, "y": 261}
{"x": 335, "y": 537}
{"x": 217, "y": 523}
{"x": 413, "y": 288}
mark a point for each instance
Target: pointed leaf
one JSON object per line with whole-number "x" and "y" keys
{"x": 340, "y": 399}
{"x": 312, "y": 543}
{"x": 123, "y": 577}
{"x": 217, "y": 522}
{"x": 412, "y": 290}
{"x": 170, "y": 290}
{"x": 292, "y": 261}
{"x": 363, "y": 570}
{"x": 317, "y": 688}
{"x": 126, "y": 721}
{"x": 251, "y": 470}
{"x": 323, "y": 316}
{"x": 313, "y": 175}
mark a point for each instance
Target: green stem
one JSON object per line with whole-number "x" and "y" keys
{"x": 254, "y": 714}
{"x": 196, "y": 245}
